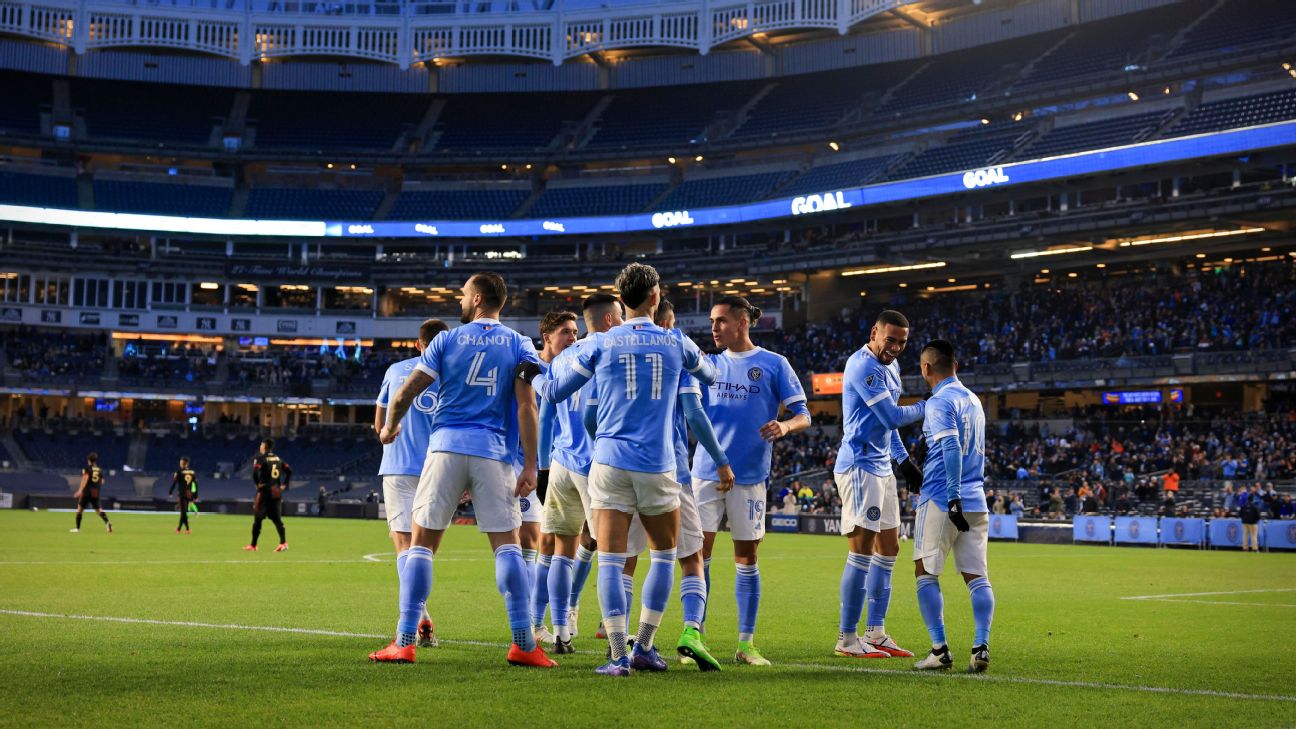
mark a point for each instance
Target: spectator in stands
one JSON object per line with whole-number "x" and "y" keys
{"x": 1286, "y": 509}
{"x": 1168, "y": 504}
{"x": 1224, "y": 501}
{"x": 1122, "y": 504}
{"x": 1170, "y": 482}
{"x": 1016, "y": 508}
{"x": 1250, "y": 513}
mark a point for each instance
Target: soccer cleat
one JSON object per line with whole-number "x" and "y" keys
{"x": 177, "y": 530}
{"x": 573, "y": 615}
{"x": 427, "y": 635}
{"x": 393, "y": 654}
{"x": 544, "y": 637}
{"x": 187, "y": 531}
{"x": 649, "y": 660}
{"x": 938, "y": 659}
{"x": 748, "y": 654}
{"x": 857, "y": 649}
{"x": 109, "y": 525}
{"x": 980, "y": 659}
{"x": 75, "y": 530}
{"x": 884, "y": 644}
{"x": 283, "y": 547}
{"x": 600, "y": 633}
{"x": 564, "y": 647}
{"x": 693, "y": 651}
{"x": 534, "y": 658}
{"x": 250, "y": 548}
{"x": 614, "y": 668}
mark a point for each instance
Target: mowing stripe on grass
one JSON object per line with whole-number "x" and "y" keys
{"x": 989, "y": 677}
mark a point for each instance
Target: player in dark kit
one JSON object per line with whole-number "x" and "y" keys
{"x": 271, "y": 476}
{"x": 186, "y": 482}
{"x": 88, "y": 494}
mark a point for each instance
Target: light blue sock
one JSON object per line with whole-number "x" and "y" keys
{"x": 693, "y": 598}
{"x": 540, "y": 589}
{"x": 400, "y": 562}
{"x": 560, "y": 590}
{"x": 415, "y": 584}
{"x": 706, "y": 575}
{"x": 612, "y": 601}
{"x": 854, "y": 575}
{"x": 514, "y": 585}
{"x": 657, "y": 589}
{"x": 747, "y": 589}
{"x": 982, "y": 609}
{"x": 931, "y": 604}
{"x": 627, "y": 584}
{"x": 878, "y": 587}
{"x": 580, "y": 573}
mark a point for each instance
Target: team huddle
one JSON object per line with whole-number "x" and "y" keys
{"x": 582, "y": 448}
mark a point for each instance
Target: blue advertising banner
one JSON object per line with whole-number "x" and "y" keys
{"x": 1183, "y": 531}
{"x": 784, "y": 522}
{"x": 1278, "y": 534}
{"x": 1226, "y": 532}
{"x": 1003, "y": 526}
{"x": 1136, "y": 530}
{"x": 1091, "y": 529}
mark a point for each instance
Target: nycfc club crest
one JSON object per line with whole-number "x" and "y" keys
{"x": 1089, "y": 528}
{"x": 868, "y": 381}
{"x": 873, "y": 513}
{"x": 525, "y": 503}
{"x": 994, "y": 525}
{"x": 754, "y": 374}
{"x": 1134, "y": 529}
{"x": 1232, "y": 532}
{"x": 1179, "y": 530}
{"x": 1291, "y": 533}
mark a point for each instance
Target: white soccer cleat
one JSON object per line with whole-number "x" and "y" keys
{"x": 572, "y": 616}
{"x": 938, "y": 659}
{"x": 856, "y": 648}
{"x": 74, "y": 530}
{"x": 544, "y": 637}
{"x": 885, "y": 644}
{"x": 980, "y": 659}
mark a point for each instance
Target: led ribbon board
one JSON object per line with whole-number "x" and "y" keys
{"x": 1163, "y": 151}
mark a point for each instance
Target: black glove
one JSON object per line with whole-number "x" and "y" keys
{"x": 527, "y": 371}
{"x": 912, "y": 475}
{"x": 956, "y": 515}
{"x": 542, "y": 484}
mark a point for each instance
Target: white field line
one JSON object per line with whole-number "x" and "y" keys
{"x": 1207, "y": 594}
{"x": 990, "y": 678}
{"x": 249, "y": 560}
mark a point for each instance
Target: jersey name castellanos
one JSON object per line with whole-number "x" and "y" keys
{"x": 404, "y": 456}
{"x": 953, "y": 411}
{"x": 750, "y": 388}
{"x": 571, "y": 444}
{"x": 866, "y": 442}
{"x": 476, "y": 414}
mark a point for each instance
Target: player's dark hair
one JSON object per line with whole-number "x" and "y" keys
{"x": 599, "y": 299}
{"x": 665, "y": 310}
{"x": 636, "y": 282}
{"x": 892, "y": 317}
{"x": 491, "y": 286}
{"x": 92, "y": 457}
{"x": 555, "y": 319}
{"x": 940, "y": 354}
{"x": 738, "y": 303}
{"x": 184, "y": 459}
{"x": 269, "y": 444}
{"x": 429, "y": 329}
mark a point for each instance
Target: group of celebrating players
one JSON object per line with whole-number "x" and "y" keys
{"x": 598, "y": 429}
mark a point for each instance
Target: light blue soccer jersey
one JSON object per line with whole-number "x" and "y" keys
{"x": 404, "y": 456}
{"x": 750, "y": 388}
{"x": 519, "y": 457}
{"x": 477, "y": 412}
{"x": 953, "y": 411}
{"x": 637, "y": 368}
{"x": 867, "y": 442}
{"x": 682, "y": 476}
{"x": 571, "y": 444}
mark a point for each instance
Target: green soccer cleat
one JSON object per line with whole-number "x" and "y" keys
{"x": 691, "y": 647}
{"x": 748, "y": 654}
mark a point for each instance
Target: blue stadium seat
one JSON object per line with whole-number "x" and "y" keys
{"x": 522, "y": 122}
{"x": 51, "y": 191}
{"x": 156, "y": 113}
{"x": 163, "y": 198}
{"x": 958, "y": 78}
{"x": 1241, "y": 112}
{"x": 1109, "y": 46}
{"x": 713, "y": 191}
{"x": 67, "y": 451}
{"x": 293, "y": 203}
{"x": 24, "y": 95}
{"x": 1240, "y": 25}
{"x": 838, "y": 175}
{"x": 1096, "y": 135}
{"x": 333, "y": 120}
{"x": 668, "y": 117}
{"x": 964, "y": 151}
{"x": 458, "y": 204}
{"x": 595, "y": 200}
{"x": 818, "y": 100}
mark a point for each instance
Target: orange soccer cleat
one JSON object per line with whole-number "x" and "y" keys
{"x": 250, "y": 548}
{"x": 427, "y": 635}
{"x": 535, "y": 658}
{"x": 282, "y": 547}
{"x": 393, "y": 654}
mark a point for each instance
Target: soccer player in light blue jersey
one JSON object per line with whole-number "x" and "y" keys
{"x": 557, "y": 332}
{"x": 481, "y": 413}
{"x": 752, "y": 386}
{"x": 402, "y": 460}
{"x": 952, "y": 511}
{"x": 566, "y": 451}
{"x": 870, "y": 520}
{"x": 637, "y": 367}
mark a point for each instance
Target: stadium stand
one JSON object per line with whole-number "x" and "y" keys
{"x": 838, "y": 175}
{"x": 54, "y": 357}
{"x": 817, "y": 101}
{"x": 604, "y": 199}
{"x": 25, "y": 96}
{"x": 1108, "y": 48}
{"x": 956, "y": 79}
{"x": 1237, "y": 26}
{"x": 289, "y": 119}
{"x": 162, "y": 198}
{"x": 312, "y": 204}
{"x": 1097, "y": 134}
{"x": 974, "y": 147}
{"x": 471, "y": 123}
{"x": 161, "y": 114}
{"x": 667, "y": 117}
{"x": 45, "y": 190}
{"x": 728, "y": 190}
{"x": 1238, "y": 112}
{"x": 60, "y": 446}
{"x": 469, "y": 204}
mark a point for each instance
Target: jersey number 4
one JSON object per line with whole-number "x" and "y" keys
{"x": 654, "y": 361}
{"x": 474, "y": 375}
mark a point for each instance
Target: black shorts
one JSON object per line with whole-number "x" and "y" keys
{"x": 265, "y": 506}
{"x": 89, "y": 502}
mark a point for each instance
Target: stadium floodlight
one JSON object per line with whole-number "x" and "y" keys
{"x": 834, "y": 146}
{"x": 894, "y": 269}
{"x": 1133, "y": 96}
{"x": 670, "y": 160}
{"x": 1189, "y": 236}
{"x": 697, "y": 158}
{"x": 1051, "y": 252}
{"x": 209, "y": 286}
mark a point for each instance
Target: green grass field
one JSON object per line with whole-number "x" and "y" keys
{"x": 1067, "y": 650}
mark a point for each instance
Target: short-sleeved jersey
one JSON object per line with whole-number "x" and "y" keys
{"x": 571, "y": 444}
{"x": 750, "y": 388}
{"x": 519, "y": 456}
{"x": 404, "y": 456}
{"x": 186, "y": 481}
{"x": 866, "y": 442}
{"x": 269, "y": 470}
{"x": 637, "y": 367}
{"x": 94, "y": 479}
{"x": 953, "y": 411}
{"x": 687, "y": 385}
{"x": 477, "y": 411}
